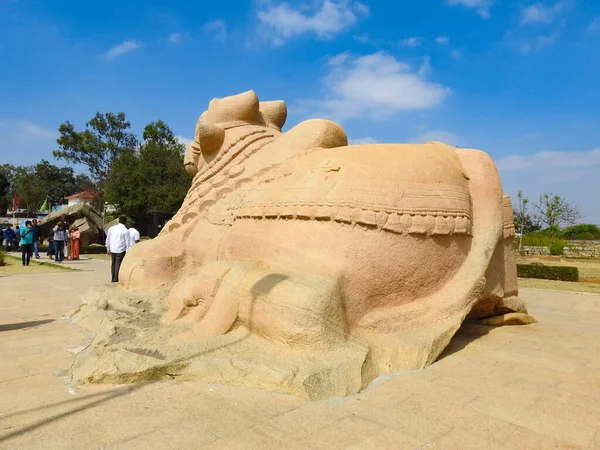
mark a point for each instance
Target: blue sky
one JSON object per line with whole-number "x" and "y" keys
{"x": 518, "y": 79}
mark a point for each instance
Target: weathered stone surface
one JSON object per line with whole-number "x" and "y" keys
{"x": 303, "y": 265}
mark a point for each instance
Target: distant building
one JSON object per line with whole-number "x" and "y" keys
{"x": 82, "y": 197}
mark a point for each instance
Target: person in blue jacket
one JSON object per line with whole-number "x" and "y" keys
{"x": 27, "y": 235}
{"x": 9, "y": 236}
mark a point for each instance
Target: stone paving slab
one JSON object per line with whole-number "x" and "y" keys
{"x": 514, "y": 387}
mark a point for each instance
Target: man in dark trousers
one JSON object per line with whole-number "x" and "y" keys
{"x": 117, "y": 241}
{"x": 17, "y": 239}
{"x": 61, "y": 235}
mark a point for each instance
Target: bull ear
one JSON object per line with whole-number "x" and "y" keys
{"x": 191, "y": 159}
{"x": 210, "y": 137}
{"x": 274, "y": 113}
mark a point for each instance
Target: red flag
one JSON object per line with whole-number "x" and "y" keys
{"x": 16, "y": 201}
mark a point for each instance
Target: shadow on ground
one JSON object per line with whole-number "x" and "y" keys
{"x": 21, "y": 325}
{"x": 104, "y": 397}
{"x": 466, "y": 334}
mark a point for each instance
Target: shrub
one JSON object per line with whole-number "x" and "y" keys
{"x": 557, "y": 249}
{"x": 540, "y": 239}
{"x": 2, "y": 261}
{"x": 581, "y": 232}
{"x": 562, "y": 273}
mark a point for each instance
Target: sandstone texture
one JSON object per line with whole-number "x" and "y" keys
{"x": 302, "y": 265}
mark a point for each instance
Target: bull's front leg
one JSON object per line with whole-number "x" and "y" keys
{"x": 163, "y": 260}
{"x": 152, "y": 263}
{"x": 294, "y": 310}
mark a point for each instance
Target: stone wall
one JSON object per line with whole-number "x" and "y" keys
{"x": 584, "y": 243}
{"x": 570, "y": 252}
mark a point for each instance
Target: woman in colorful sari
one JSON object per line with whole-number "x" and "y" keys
{"x": 75, "y": 242}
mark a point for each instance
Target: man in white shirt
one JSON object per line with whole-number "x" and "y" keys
{"x": 117, "y": 242}
{"x": 134, "y": 237}
{"x": 61, "y": 235}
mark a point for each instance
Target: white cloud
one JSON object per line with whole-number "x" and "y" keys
{"x": 526, "y": 38}
{"x": 550, "y": 159}
{"x": 364, "y": 38}
{"x": 455, "y": 54}
{"x": 442, "y": 40}
{"x": 183, "y": 140}
{"x": 363, "y": 140}
{"x": 217, "y": 29}
{"x": 175, "y": 38}
{"x": 572, "y": 174}
{"x": 281, "y": 22}
{"x": 125, "y": 47}
{"x": 537, "y": 43}
{"x": 23, "y": 131}
{"x": 481, "y": 6}
{"x": 375, "y": 85}
{"x": 411, "y": 42}
{"x": 425, "y": 68}
{"x": 30, "y": 130}
{"x": 25, "y": 142}
{"x": 594, "y": 26}
{"x": 435, "y": 135}
{"x": 540, "y": 13}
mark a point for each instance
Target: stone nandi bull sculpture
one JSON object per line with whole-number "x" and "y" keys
{"x": 300, "y": 264}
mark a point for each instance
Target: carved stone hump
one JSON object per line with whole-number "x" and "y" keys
{"x": 399, "y": 188}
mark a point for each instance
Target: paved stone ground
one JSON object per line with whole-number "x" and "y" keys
{"x": 514, "y": 387}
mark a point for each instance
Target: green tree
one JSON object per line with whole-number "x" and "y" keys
{"x": 27, "y": 186}
{"x": 105, "y": 138}
{"x": 58, "y": 182}
{"x": 5, "y": 186}
{"x": 83, "y": 183}
{"x": 555, "y": 211}
{"x": 581, "y": 232}
{"x": 36, "y": 183}
{"x": 525, "y": 222}
{"x": 151, "y": 180}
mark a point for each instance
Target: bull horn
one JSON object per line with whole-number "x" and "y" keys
{"x": 242, "y": 107}
{"x": 274, "y": 113}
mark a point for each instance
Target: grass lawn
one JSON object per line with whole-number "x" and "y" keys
{"x": 589, "y": 274}
{"x": 14, "y": 266}
{"x": 593, "y": 288}
{"x": 102, "y": 256}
